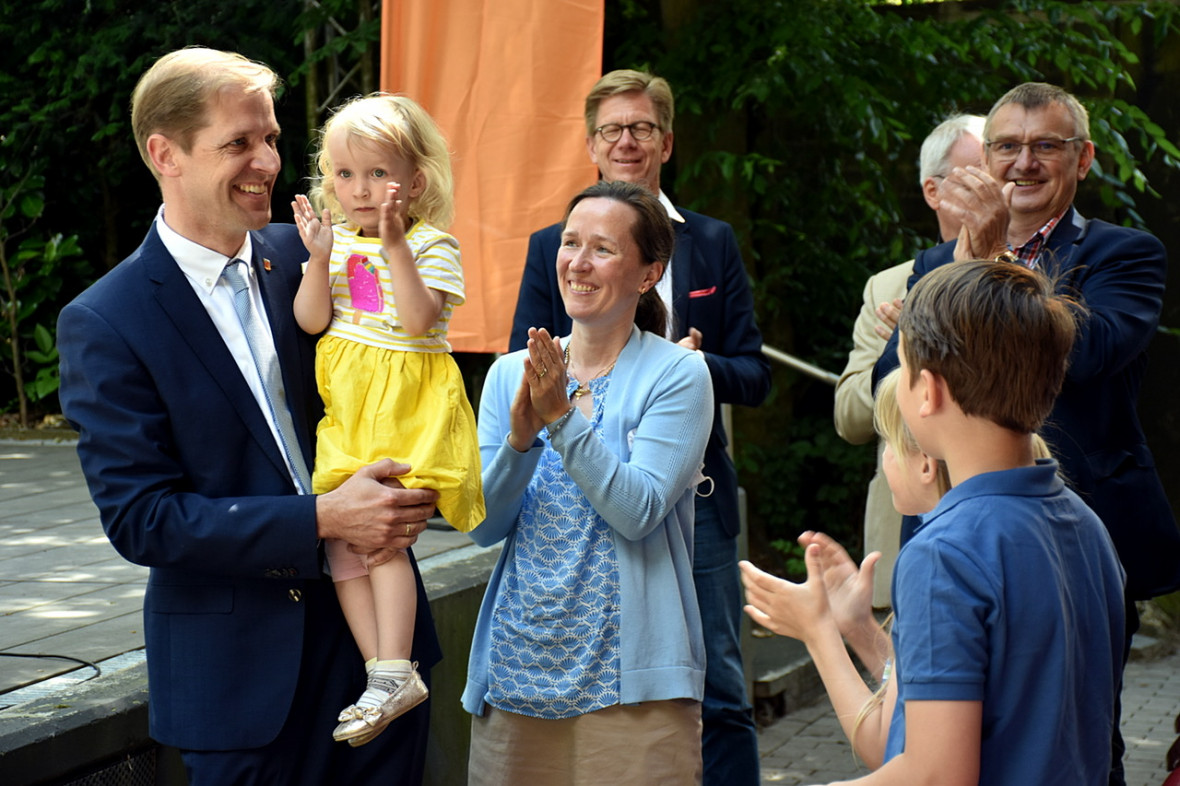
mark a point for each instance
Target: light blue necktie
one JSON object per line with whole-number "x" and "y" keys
{"x": 269, "y": 372}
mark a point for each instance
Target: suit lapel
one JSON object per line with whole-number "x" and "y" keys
{"x": 1070, "y": 230}
{"x": 1059, "y": 251}
{"x": 181, "y": 306}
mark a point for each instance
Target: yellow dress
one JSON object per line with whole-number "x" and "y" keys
{"x": 387, "y": 394}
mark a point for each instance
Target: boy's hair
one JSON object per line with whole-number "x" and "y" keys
{"x": 398, "y": 124}
{"x": 997, "y": 333}
{"x": 891, "y": 427}
{"x": 625, "y": 80}
{"x": 172, "y": 97}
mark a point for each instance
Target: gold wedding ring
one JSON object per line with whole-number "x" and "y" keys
{"x": 544, "y": 370}
{"x": 409, "y": 529}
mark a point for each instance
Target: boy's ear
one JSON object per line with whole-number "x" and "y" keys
{"x": 932, "y": 392}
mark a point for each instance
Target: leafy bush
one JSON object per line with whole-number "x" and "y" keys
{"x": 799, "y": 121}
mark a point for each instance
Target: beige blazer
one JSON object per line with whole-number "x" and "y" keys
{"x": 854, "y": 421}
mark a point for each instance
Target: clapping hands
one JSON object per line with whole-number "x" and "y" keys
{"x": 836, "y": 592}
{"x": 315, "y": 231}
{"x": 542, "y": 396}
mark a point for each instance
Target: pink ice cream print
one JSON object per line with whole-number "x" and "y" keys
{"x": 363, "y": 285}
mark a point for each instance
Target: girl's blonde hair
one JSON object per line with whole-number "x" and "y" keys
{"x": 398, "y": 124}
{"x": 890, "y": 427}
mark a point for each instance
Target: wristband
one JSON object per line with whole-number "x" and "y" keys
{"x": 556, "y": 425}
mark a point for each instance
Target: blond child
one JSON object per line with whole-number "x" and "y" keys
{"x": 836, "y": 601}
{"x": 382, "y": 279}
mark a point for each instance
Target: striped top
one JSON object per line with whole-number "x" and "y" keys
{"x": 363, "y": 307}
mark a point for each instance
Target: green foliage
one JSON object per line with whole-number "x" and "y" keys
{"x": 352, "y": 43}
{"x": 799, "y": 121}
{"x": 47, "y": 380}
{"x": 29, "y": 277}
{"x": 66, "y": 73}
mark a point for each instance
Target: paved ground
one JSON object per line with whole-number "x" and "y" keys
{"x": 65, "y": 592}
{"x": 807, "y": 746}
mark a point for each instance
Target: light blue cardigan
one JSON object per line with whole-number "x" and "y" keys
{"x": 640, "y": 478}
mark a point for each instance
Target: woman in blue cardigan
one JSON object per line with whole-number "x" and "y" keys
{"x": 588, "y": 660}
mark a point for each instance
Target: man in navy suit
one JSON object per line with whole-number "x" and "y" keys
{"x": 194, "y": 472}
{"x": 1019, "y": 208}
{"x": 629, "y": 136}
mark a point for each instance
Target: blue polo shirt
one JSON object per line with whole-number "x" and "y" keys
{"x": 1010, "y": 593}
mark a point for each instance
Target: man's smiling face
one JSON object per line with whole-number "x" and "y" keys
{"x": 626, "y": 158}
{"x": 221, "y": 187}
{"x": 1044, "y": 187}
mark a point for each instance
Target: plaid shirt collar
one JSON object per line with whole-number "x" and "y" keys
{"x": 1029, "y": 254}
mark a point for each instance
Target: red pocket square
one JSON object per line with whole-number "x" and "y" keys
{"x": 702, "y": 292}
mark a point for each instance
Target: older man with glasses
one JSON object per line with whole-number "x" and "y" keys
{"x": 629, "y": 137}
{"x": 1019, "y": 209}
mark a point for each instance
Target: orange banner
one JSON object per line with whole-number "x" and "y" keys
{"x": 506, "y": 81}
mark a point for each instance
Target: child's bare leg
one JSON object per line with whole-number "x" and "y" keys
{"x": 395, "y": 602}
{"x": 356, "y": 601}
{"x": 394, "y": 687}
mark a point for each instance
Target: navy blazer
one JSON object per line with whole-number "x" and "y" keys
{"x": 190, "y": 482}
{"x": 1094, "y": 430}
{"x": 710, "y": 292}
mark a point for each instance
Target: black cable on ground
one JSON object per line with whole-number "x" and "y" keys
{"x": 95, "y": 666}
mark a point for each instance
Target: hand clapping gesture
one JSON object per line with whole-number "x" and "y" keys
{"x": 541, "y": 398}
{"x": 981, "y": 203}
{"x": 394, "y": 218}
{"x": 836, "y": 592}
{"x": 315, "y": 231}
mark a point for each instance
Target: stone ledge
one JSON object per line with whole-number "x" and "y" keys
{"x": 56, "y": 736}
{"x": 71, "y": 732}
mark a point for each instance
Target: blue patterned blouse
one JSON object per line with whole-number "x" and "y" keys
{"x": 555, "y": 641}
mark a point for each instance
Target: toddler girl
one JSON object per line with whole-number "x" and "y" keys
{"x": 383, "y": 280}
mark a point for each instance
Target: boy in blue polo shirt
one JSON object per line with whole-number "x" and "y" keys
{"x": 1009, "y": 598}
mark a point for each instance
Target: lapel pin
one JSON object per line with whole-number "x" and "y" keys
{"x": 266, "y": 264}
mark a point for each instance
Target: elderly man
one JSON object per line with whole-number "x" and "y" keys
{"x": 1019, "y": 208}
{"x": 194, "y": 396}
{"x": 955, "y": 142}
{"x": 629, "y": 136}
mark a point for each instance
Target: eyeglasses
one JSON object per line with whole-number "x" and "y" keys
{"x": 1042, "y": 149}
{"x": 613, "y": 132}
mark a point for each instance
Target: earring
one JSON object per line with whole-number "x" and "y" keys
{"x": 643, "y": 290}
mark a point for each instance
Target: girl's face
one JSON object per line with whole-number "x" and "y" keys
{"x": 361, "y": 171}
{"x": 913, "y": 480}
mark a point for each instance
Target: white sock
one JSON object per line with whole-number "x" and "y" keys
{"x": 384, "y": 678}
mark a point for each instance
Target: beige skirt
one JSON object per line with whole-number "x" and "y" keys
{"x": 656, "y": 742}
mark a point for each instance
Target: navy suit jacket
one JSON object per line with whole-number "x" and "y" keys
{"x": 189, "y": 481}
{"x": 710, "y": 292}
{"x": 1094, "y": 429}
